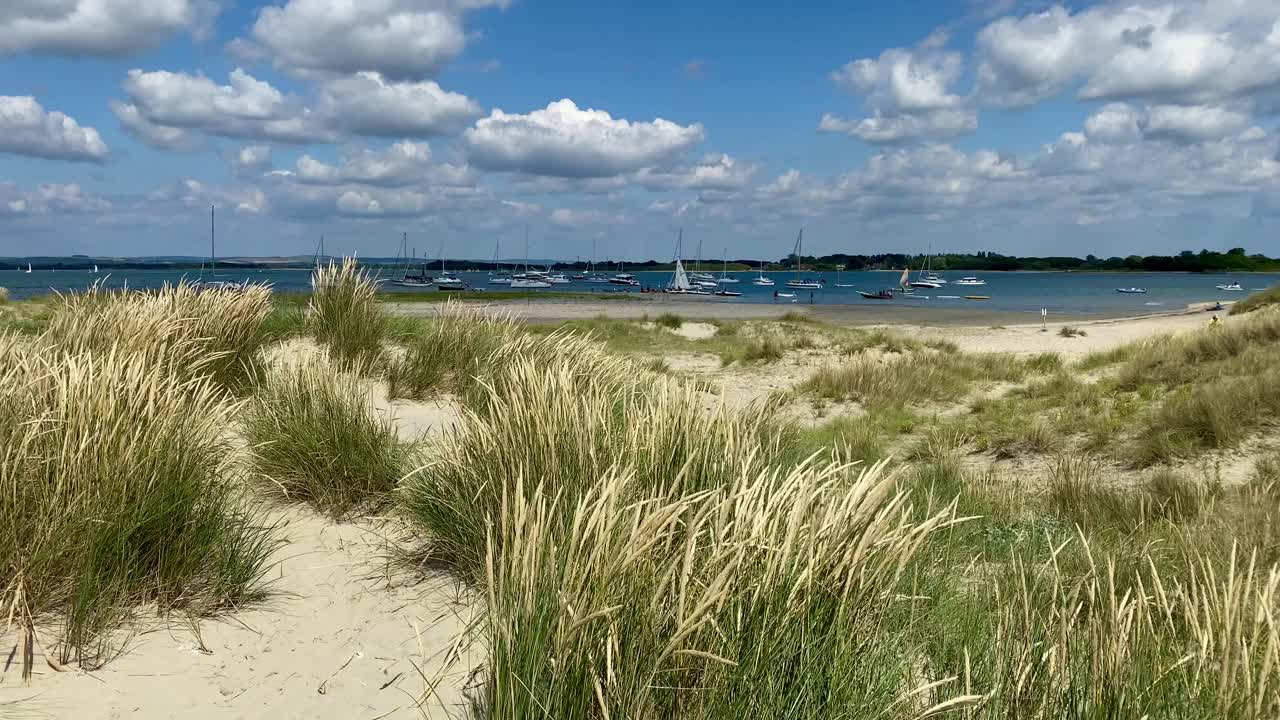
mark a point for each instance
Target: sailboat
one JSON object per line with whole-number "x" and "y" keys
{"x": 592, "y": 276}
{"x": 762, "y": 280}
{"x": 680, "y": 281}
{"x": 212, "y": 284}
{"x": 927, "y": 278}
{"x": 800, "y": 283}
{"x": 838, "y": 283}
{"x": 725, "y": 279}
{"x": 527, "y": 280}
{"x": 697, "y": 274}
{"x": 28, "y": 268}
{"x": 408, "y": 279}
{"x": 447, "y": 281}
{"x": 724, "y": 270}
{"x": 95, "y": 269}
{"x": 501, "y": 277}
{"x": 623, "y": 278}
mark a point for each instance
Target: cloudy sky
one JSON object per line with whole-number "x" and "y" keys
{"x": 1021, "y": 127}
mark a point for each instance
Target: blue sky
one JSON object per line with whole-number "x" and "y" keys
{"x": 1021, "y": 127}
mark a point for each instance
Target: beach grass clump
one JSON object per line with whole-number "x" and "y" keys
{"x": 884, "y": 379}
{"x": 317, "y": 439}
{"x": 548, "y": 423}
{"x": 4, "y": 295}
{"x": 669, "y": 320}
{"x": 765, "y": 348}
{"x": 1243, "y": 347}
{"x": 343, "y": 313}
{"x": 118, "y": 488}
{"x": 1067, "y": 331}
{"x": 447, "y": 352}
{"x": 191, "y": 331}
{"x": 1256, "y": 301}
{"x": 772, "y": 596}
{"x": 1212, "y": 415}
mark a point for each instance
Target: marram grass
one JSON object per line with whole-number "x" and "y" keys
{"x": 316, "y": 438}
{"x": 117, "y": 488}
{"x": 448, "y": 351}
{"x": 343, "y": 313}
{"x": 188, "y": 330}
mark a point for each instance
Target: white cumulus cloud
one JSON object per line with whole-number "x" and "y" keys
{"x": 164, "y": 105}
{"x": 908, "y": 94}
{"x": 565, "y": 141}
{"x": 367, "y": 104}
{"x": 1185, "y": 52}
{"x": 104, "y": 28}
{"x": 48, "y": 199}
{"x": 714, "y": 172}
{"x": 26, "y": 128}
{"x": 401, "y": 39}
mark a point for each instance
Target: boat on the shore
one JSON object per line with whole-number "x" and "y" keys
{"x": 1132, "y": 291}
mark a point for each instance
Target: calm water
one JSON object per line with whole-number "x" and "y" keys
{"x": 1060, "y": 293}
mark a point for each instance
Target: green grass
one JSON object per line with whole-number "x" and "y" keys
{"x": 446, "y": 352}
{"x": 316, "y": 439}
{"x": 668, "y": 320}
{"x": 119, "y": 490}
{"x": 343, "y": 314}
{"x": 913, "y": 377}
{"x": 190, "y": 331}
{"x": 766, "y": 349}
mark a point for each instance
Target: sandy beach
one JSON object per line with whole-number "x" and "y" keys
{"x": 972, "y": 328}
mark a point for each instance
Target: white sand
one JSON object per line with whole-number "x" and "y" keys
{"x": 337, "y": 632}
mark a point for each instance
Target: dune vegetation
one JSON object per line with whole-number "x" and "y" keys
{"x": 980, "y": 535}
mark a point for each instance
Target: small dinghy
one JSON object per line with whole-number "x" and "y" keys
{"x": 1132, "y": 291}
{"x": 880, "y": 295}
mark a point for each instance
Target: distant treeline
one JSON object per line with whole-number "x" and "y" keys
{"x": 1205, "y": 261}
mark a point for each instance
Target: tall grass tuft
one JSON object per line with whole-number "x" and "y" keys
{"x": 343, "y": 313}
{"x": 770, "y": 596}
{"x": 668, "y": 320}
{"x": 4, "y": 295}
{"x": 118, "y": 487}
{"x": 912, "y": 377}
{"x": 448, "y": 351}
{"x": 188, "y": 330}
{"x": 317, "y": 438}
{"x": 1257, "y": 301}
{"x": 547, "y": 423}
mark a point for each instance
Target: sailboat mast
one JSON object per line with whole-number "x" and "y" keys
{"x": 213, "y": 246}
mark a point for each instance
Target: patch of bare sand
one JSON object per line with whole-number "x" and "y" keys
{"x": 1099, "y": 335}
{"x": 696, "y": 331}
{"x": 340, "y": 640}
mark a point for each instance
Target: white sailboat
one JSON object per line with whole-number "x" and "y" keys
{"x": 725, "y": 278}
{"x": 800, "y": 283}
{"x": 838, "y": 283}
{"x": 500, "y": 277}
{"x": 762, "y": 280}
{"x": 28, "y": 268}
{"x": 527, "y": 280}
{"x": 681, "y": 282}
{"x": 927, "y": 278}
{"x": 724, "y": 270}
{"x": 95, "y": 269}
{"x": 446, "y": 281}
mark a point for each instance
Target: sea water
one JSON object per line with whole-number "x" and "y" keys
{"x": 1071, "y": 293}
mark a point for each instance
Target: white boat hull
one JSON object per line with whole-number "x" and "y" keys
{"x": 529, "y": 284}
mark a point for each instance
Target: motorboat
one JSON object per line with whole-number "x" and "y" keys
{"x": 624, "y": 279}
{"x": 1231, "y": 286}
{"x": 557, "y": 279}
{"x": 528, "y": 282}
{"x": 449, "y": 282}
{"x": 878, "y": 295}
{"x": 1132, "y": 291}
{"x": 500, "y": 280}
{"x": 801, "y": 284}
{"x": 971, "y": 281}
